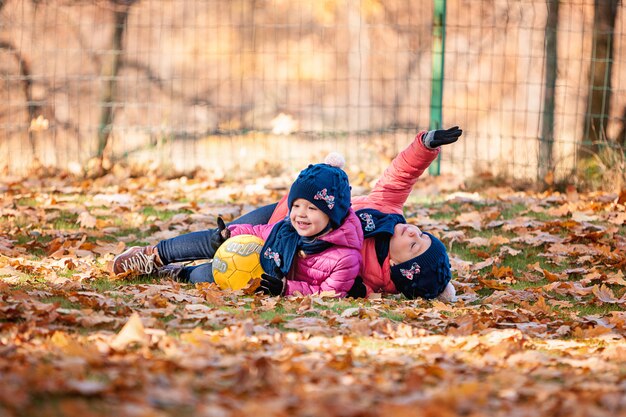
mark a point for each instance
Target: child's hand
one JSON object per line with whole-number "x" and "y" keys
{"x": 436, "y": 138}
{"x": 273, "y": 285}
{"x": 358, "y": 290}
{"x": 220, "y": 235}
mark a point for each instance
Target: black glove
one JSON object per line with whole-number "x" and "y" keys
{"x": 219, "y": 236}
{"x": 273, "y": 284}
{"x": 358, "y": 289}
{"x": 436, "y": 138}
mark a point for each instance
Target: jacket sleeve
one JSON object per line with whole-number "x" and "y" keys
{"x": 340, "y": 279}
{"x": 396, "y": 183}
{"x": 261, "y": 230}
{"x": 281, "y": 210}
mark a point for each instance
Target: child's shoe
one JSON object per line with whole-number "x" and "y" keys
{"x": 140, "y": 260}
{"x": 172, "y": 271}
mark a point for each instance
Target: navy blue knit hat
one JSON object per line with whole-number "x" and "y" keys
{"x": 325, "y": 186}
{"x": 425, "y": 275}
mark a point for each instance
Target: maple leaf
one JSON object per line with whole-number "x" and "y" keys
{"x": 552, "y": 277}
{"x": 616, "y": 278}
{"x": 86, "y": 220}
{"x": 604, "y": 294}
{"x": 472, "y": 220}
{"x": 491, "y": 283}
{"x": 501, "y": 271}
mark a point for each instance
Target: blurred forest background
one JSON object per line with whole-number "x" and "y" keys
{"x": 539, "y": 87}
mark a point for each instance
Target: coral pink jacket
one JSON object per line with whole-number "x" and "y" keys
{"x": 388, "y": 196}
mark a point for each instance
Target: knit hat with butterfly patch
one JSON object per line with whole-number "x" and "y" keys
{"x": 425, "y": 275}
{"x": 327, "y": 187}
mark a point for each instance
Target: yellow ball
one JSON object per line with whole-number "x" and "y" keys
{"x": 237, "y": 262}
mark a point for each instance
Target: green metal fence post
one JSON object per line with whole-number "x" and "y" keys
{"x": 436, "y": 89}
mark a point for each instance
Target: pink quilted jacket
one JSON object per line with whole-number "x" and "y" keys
{"x": 331, "y": 270}
{"x": 389, "y": 195}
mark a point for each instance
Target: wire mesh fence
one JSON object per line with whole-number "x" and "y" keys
{"x": 228, "y": 83}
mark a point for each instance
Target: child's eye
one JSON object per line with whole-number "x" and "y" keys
{"x": 313, "y": 208}
{"x": 412, "y": 245}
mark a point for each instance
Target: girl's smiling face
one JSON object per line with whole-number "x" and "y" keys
{"x": 306, "y": 218}
{"x": 407, "y": 242}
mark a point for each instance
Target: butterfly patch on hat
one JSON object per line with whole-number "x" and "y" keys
{"x": 411, "y": 273}
{"x": 329, "y": 199}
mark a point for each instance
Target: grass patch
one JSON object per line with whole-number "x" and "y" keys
{"x": 508, "y": 212}
{"x": 66, "y": 221}
{"x": 66, "y": 273}
{"x": 62, "y": 301}
{"x": 392, "y": 315}
{"x": 269, "y": 315}
{"x": 588, "y": 309}
{"x": 104, "y": 284}
{"x": 162, "y": 215}
{"x": 27, "y": 202}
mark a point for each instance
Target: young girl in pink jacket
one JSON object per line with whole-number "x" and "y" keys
{"x": 314, "y": 247}
{"x": 317, "y": 247}
{"x": 400, "y": 257}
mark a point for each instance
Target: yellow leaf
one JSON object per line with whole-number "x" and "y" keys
{"x": 195, "y": 337}
{"x": 59, "y": 339}
{"x": 39, "y": 124}
{"x": 132, "y": 332}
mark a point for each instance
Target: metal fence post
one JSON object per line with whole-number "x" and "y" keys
{"x": 436, "y": 90}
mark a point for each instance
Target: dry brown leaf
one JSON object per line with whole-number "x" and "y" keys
{"x": 492, "y": 283}
{"x": 501, "y": 271}
{"x": 616, "y": 278}
{"x": 86, "y": 220}
{"x": 604, "y": 294}
{"x": 132, "y": 332}
{"x": 484, "y": 264}
{"x": 553, "y": 277}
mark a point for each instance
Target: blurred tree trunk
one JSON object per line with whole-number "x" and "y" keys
{"x": 546, "y": 145}
{"x": 599, "y": 99}
{"x": 27, "y": 86}
{"x": 110, "y": 72}
{"x": 359, "y": 104}
{"x": 621, "y": 137}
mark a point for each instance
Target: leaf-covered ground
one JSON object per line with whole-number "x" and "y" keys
{"x": 538, "y": 328}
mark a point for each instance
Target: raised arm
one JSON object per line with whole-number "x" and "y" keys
{"x": 396, "y": 183}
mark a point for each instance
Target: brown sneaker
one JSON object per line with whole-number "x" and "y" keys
{"x": 140, "y": 260}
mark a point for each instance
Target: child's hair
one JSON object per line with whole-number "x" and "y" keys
{"x": 426, "y": 275}
{"x": 325, "y": 186}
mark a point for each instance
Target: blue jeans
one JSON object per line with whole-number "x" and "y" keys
{"x": 197, "y": 245}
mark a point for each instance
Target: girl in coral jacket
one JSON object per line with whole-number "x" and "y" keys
{"x": 397, "y": 257}
{"x": 400, "y": 257}
{"x": 314, "y": 248}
